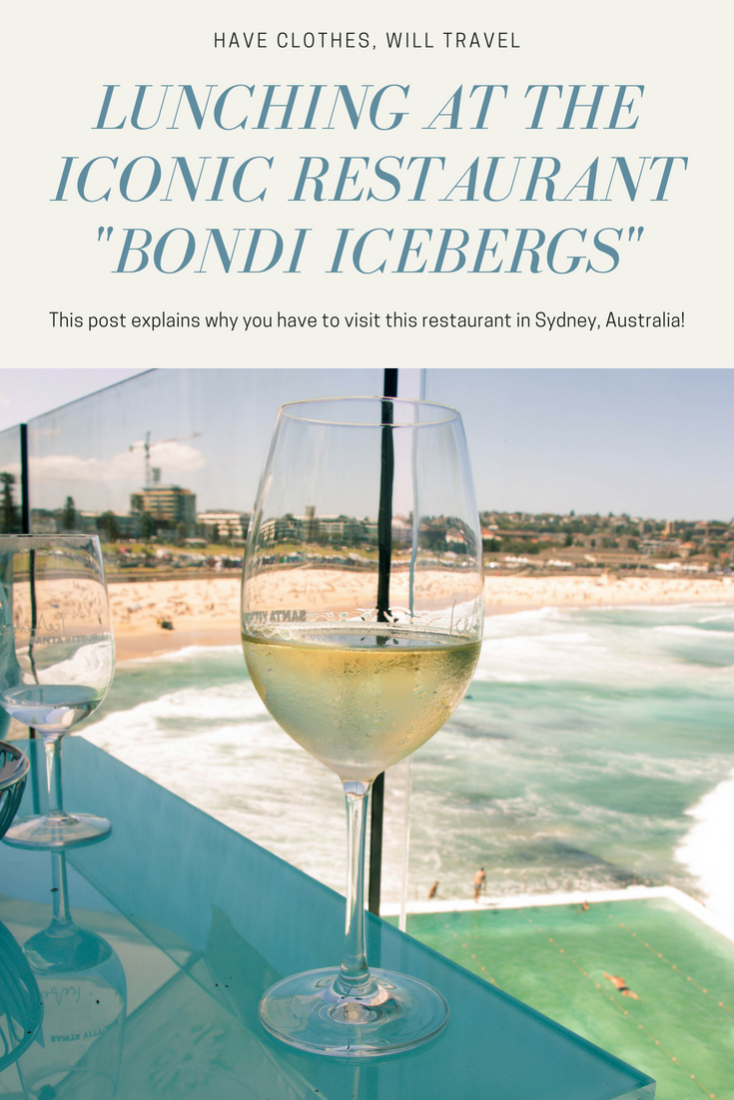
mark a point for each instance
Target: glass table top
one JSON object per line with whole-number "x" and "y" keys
{"x": 179, "y": 926}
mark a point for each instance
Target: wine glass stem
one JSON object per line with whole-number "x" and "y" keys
{"x": 60, "y": 888}
{"x": 354, "y": 975}
{"x": 52, "y": 746}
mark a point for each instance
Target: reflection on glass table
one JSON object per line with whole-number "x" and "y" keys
{"x": 203, "y": 922}
{"x": 82, "y": 987}
{"x": 57, "y": 661}
{"x": 21, "y": 1005}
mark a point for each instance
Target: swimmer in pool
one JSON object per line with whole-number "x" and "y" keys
{"x": 621, "y": 985}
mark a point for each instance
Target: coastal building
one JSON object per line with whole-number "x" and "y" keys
{"x": 83, "y": 521}
{"x": 659, "y": 546}
{"x": 342, "y": 530}
{"x": 169, "y": 504}
{"x": 225, "y": 523}
{"x": 110, "y": 523}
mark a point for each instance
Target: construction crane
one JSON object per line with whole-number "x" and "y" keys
{"x": 153, "y": 473}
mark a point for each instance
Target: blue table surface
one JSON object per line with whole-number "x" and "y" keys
{"x": 200, "y": 921}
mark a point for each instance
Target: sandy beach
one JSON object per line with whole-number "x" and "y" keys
{"x": 205, "y": 611}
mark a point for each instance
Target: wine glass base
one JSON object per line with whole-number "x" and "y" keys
{"x": 46, "y": 834}
{"x": 400, "y": 1012}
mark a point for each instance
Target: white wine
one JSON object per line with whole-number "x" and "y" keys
{"x": 360, "y": 700}
{"x": 50, "y": 708}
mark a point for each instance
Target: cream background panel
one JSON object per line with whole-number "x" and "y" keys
{"x": 59, "y": 59}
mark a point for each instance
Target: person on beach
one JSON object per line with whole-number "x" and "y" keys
{"x": 479, "y": 880}
{"x": 621, "y": 985}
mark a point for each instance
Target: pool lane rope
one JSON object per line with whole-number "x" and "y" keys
{"x": 614, "y": 1000}
{"x": 673, "y": 966}
{"x": 489, "y": 977}
{"x": 625, "y": 1012}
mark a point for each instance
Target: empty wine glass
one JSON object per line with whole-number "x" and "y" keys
{"x": 82, "y": 987}
{"x": 58, "y": 659}
{"x": 362, "y": 612}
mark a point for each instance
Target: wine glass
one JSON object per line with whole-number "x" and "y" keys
{"x": 362, "y": 612}
{"x": 58, "y": 662}
{"x": 83, "y": 991}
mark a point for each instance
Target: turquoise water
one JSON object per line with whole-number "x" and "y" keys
{"x": 595, "y": 748}
{"x": 586, "y": 739}
{"x": 679, "y": 1026}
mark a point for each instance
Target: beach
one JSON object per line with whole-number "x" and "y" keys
{"x": 205, "y": 611}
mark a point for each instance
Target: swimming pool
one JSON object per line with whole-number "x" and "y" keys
{"x": 680, "y": 1026}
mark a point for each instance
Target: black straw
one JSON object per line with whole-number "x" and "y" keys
{"x": 384, "y": 515}
{"x": 384, "y": 544}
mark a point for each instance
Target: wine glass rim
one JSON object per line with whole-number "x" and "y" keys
{"x": 288, "y": 409}
{"x": 37, "y": 541}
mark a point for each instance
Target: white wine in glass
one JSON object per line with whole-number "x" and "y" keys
{"x": 362, "y": 613}
{"x": 57, "y": 660}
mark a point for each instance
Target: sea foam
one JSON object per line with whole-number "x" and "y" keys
{"x": 707, "y": 849}
{"x": 569, "y": 765}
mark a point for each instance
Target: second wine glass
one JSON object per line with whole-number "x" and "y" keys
{"x": 362, "y": 612}
{"x": 57, "y": 660}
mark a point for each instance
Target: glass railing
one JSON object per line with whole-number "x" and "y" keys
{"x": 11, "y": 515}
{"x": 164, "y": 467}
{"x": 152, "y": 455}
{"x": 11, "y": 503}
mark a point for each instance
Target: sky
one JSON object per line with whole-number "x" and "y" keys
{"x": 32, "y": 391}
{"x": 653, "y": 443}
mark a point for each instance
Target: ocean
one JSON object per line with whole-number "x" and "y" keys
{"x": 594, "y": 749}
